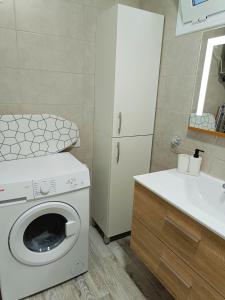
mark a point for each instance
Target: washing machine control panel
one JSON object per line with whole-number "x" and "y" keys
{"x": 44, "y": 187}
{"x": 59, "y": 185}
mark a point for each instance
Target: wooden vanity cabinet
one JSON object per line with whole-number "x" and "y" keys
{"x": 186, "y": 257}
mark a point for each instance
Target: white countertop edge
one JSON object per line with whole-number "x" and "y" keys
{"x": 193, "y": 212}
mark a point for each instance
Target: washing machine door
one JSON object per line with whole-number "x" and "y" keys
{"x": 44, "y": 233}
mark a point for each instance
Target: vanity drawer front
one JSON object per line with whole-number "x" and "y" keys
{"x": 151, "y": 251}
{"x": 149, "y": 209}
{"x": 181, "y": 234}
{"x": 209, "y": 260}
{"x": 166, "y": 222}
{"x": 181, "y": 281}
{"x": 201, "y": 249}
{"x": 147, "y": 247}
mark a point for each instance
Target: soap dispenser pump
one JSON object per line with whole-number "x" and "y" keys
{"x": 195, "y": 163}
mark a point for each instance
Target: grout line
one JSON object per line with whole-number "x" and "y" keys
{"x": 46, "y": 70}
{"x": 80, "y": 105}
{"x": 17, "y": 52}
{"x": 48, "y": 34}
{"x": 57, "y": 35}
{"x": 173, "y": 111}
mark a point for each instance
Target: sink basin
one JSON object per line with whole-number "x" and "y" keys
{"x": 202, "y": 197}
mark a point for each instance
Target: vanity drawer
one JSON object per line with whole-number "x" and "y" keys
{"x": 149, "y": 208}
{"x": 201, "y": 249}
{"x": 147, "y": 247}
{"x": 165, "y": 221}
{"x": 181, "y": 281}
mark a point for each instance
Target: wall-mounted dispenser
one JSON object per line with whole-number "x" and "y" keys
{"x": 194, "y": 15}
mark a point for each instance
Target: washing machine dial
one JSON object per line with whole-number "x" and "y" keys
{"x": 44, "y": 188}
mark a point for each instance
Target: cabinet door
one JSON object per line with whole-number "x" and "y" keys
{"x": 130, "y": 156}
{"x": 138, "y": 50}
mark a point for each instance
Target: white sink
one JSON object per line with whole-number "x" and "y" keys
{"x": 202, "y": 198}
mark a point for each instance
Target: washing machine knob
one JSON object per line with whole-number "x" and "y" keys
{"x": 44, "y": 188}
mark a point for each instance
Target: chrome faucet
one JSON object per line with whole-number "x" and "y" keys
{"x": 223, "y": 186}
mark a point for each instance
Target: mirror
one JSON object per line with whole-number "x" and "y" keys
{"x": 208, "y": 108}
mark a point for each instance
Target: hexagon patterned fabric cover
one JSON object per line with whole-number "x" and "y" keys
{"x": 24, "y": 136}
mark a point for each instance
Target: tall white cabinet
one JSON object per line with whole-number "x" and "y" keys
{"x": 128, "y": 50}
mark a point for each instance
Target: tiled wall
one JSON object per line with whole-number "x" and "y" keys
{"x": 47, "y": 61}
{"x": 47, "y": 50}
{"x": 176, "y": 86}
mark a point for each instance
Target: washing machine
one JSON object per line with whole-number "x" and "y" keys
{"x": 44, "y": 223}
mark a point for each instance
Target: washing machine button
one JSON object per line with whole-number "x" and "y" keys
{"x": 72, "y": 181}
{"x": 44, "y": 188}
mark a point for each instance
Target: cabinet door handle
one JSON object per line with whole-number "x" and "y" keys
{"x": 170, "y": 269}
{"x": 118, "y": 153}
{"x": 194, "y": 239}
{"x": 120, "y": 123}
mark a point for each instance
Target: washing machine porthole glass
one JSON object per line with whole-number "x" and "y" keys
{"x": 45, "y": 233}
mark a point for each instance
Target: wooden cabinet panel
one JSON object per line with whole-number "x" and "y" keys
{"x": 146, "y": 245}
{"x": 167, "y": 223}
{"x": 209, "y": 260}
{"x": 182, "y": 234}
{"x": 182, "y": 282}
{"x": 149, "y": 209}
{"x": 175, "y": 277}
{"x": 201, "y": 249}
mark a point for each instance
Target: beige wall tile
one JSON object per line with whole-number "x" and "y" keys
{"x": 162, "y": 157}
{"x": 60, "y": 17}
{"x": 180, "y": 55}
{"x": 47, "y": 52}
{"x": 133, "y": 3}
{"x": 91, "y": 2}
{"x": 166, "y": 8}
{"x": 102, "y": 4}
{"x": 107, "y": 3}
{"x": 9, "y": 86}
{"x": 55, "y": 53}
{"x": 44, "y": 87}
{"x": 176, "y": 93}
{"x": 7, "y": 18}
{"x": 217, "y": 168}
{"x": 90, "y": 15}
{"x": 8, "y": 49}
{"x": 171, "y": 123}
{"x": 8, "y": 109}
{"x": 88, "y": 57}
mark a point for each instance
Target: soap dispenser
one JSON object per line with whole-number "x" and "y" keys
{"x": 195, "y": 163}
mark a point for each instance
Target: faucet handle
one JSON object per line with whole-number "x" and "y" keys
{"x": 223, "y": 186}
